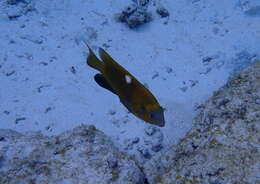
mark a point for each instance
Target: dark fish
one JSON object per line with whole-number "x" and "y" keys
{"x": 132, "y": 94}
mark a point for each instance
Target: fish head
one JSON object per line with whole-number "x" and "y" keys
{"x": 152, "y": 113}
{"x": 156, "y": 117}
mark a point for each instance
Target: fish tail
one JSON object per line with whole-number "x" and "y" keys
{"x": 94, "y": 62}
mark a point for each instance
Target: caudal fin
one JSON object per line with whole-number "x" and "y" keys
{"x": 93, "y": 61}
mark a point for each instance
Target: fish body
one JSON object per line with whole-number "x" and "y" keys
{"x": 132, "y": 94}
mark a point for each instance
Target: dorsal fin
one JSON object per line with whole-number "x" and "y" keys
{"x": 106, "y": 58}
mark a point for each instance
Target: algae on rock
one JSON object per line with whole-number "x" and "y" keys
{"x": 223, "y": 146}
{"x": 82, "y": 155}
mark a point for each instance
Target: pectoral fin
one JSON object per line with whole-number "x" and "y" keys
{"x": 101, "y": 80}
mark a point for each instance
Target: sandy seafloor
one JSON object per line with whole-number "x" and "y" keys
{"x": 46, "y": 85}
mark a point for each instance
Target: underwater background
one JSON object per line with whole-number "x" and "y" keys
{"x": 182, "y": 51}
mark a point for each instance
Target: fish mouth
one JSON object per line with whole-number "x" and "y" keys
{"x": 161, "y": 123}
{"x": 157, "y": 117}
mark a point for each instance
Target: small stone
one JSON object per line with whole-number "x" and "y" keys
{"x": 206, "y": 71}
{"x": 199, "y": 106}
{"x": 73, "y": 70}
{"x": 10, "y": 73}
{"x": 155, "y": 75}
{"x": 135, "y": 140}
{"x": 128, "y": 144}
{"x": 130, "y": 9}
{"x": 47, "y": 109}
{"x": 162, "y": 12}
{"x": 13, "y": 14}
{"x": 184, "y": 89}
{"x": 111, "y": 112}
{"x": 150, "y": 130}
{"x": 13, "y": 2}
{"x": 144, "y": 152}
{"x": 147, "y": 141}
{"x": 52, "y": 58}
{"x": 157, "y": 147}
{"x": 19, "y": 119}
{"x": 169, "y": 69}
{"x": 43, "y": 63}
{"x": 257, "y": 101}
{"x": 105, "y": 45}
{"x": 48, "y": 127}
{"x": 39, "y": 89}
{"x": 2, "y": 139}
{"x": 223, "y": 102}
{"x": 33, "y": 39}
{"x": 253, "y": 12}
{"x": 11, "y": 41}
{"x": 28, "y": 56}
{"x": 6, "y": 112}
{"x": 22, "y": 26}
{"x": 159, "y": 137}
{"x": 206, "y": 60}
{"x": 193, "y": 82}
{"x": 112, "y": 163}
{"x": 142, "y": 2}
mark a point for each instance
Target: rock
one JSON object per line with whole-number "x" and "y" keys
{"x": 157, "y": 147}
{"x": 17, "y": 120}
{"x": 154, "y": 139}
{"x": 141, "y": 2}
{"x": 81, "y": 155}
{"x": 129, "y": 143}
{"x": 242, "y": 59}
{"x": 144, "y": 152}
{"x": 16, "y": 8}
{"x": 13, "y": 2}
{"x": 150, "y": 130}
{"x": 253, "y": 12}
{"x": 169, "y": 69}
{"x": 223, "y": 145}
{"x": 208, "y": 59}
{"x": 34, "y": 39}
{"x": 134, "y": 15}
{"x": 135, "y": 140}
{"x": 155, "y": 75}
{"x": 163, "y": 12}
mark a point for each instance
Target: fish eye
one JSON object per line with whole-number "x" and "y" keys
{"x": 151, "y": 115}
{"x": 142, "y": 109}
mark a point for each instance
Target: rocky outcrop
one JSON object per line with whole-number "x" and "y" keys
{"x": 82, "y": 155}
{"x": 223, "y": 146}
{"x": 140, "y": 12}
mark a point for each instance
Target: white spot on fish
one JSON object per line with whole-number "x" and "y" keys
{"x": 128, "y": 79}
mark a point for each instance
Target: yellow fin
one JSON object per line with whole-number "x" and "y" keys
{"x": 105, "y": 56}
{"x": 94, "y": 62}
